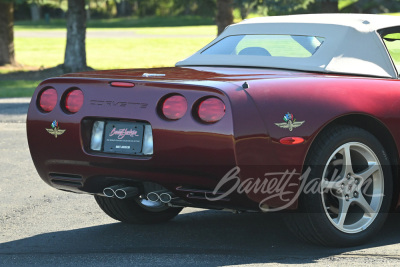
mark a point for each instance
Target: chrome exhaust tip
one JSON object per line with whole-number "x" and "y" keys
{"x": 155, "y": 196}
{"x": 110, "y": 191}
{"x": 126, "y": 192}
{"x": 165, "y": 197}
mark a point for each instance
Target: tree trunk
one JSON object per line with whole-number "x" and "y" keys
{"x": 7, "y": 54}
{"x": 124, "y": 8}
{"x": 243, "y": 12}
{"x": 35, "y": 11}
{"x": 224, "y": 15}
{"x": 135, "y": 7}
{"x": 187, "y": 10}
{"x": 75, "y": 52}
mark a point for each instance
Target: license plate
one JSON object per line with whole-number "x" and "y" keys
{"x": 123, "y": 137}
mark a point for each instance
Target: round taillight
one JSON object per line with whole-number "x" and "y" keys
{"x": 48, "y": 99}
{"x": 74, "y": 101}
{"x": 174, "y": 107}
{"x": 211, "y": 110}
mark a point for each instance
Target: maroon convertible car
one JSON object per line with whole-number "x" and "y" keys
{"x": 298, "y": 114}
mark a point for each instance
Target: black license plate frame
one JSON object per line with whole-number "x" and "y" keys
{"x": 122, "y": 137}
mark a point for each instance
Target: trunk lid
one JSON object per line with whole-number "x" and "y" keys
{"x": 185, "y": 74}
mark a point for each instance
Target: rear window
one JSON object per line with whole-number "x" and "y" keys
{"x": 266, "y": 45}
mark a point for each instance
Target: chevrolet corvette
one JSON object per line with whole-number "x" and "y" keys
{"x": 297, "y": 114}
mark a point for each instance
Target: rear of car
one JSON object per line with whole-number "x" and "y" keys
{"x": 86, "y": 134}
{"x": 202, "y": 134}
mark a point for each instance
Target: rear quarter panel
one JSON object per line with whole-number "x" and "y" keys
{"x": 318, "y": 101}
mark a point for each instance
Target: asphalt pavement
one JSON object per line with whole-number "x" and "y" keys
{"x": 46, "y": 227}
{"x": 13, "y": 110}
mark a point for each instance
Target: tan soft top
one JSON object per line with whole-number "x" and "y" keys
{"x": 352, "y": 44}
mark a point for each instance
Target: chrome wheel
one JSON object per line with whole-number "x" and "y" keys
{"x": 151, "y": 205}
{"x": 352, "y": 187}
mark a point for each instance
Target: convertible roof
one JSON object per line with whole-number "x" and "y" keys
{"x": 361, "y": 22}
{"x": 352, "y": 44}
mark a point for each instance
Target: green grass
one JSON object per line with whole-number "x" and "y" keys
{"x": 110, "y": 53}
{"x": 17, "y": 88}
{"x": 46, "y": 52}
{"x": 114, "y": 53}
{"x": 131, "y": 22}
{"x": 141, "y": 53}
{"x": 180, "y": 30}
{"x": 345, "y": 3}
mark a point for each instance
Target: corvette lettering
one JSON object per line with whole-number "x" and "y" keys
{"x": 117, "y": 103}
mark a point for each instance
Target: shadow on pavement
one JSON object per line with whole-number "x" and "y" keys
{"x": 239, "y": 239}
{"x": 14, "y": 108}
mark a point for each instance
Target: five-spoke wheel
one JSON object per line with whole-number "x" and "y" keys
{"x": 355, "y": 189}
{"x": 352, "y": 187}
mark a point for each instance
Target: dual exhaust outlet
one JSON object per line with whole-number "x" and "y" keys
{"x": 123, "y": 192}
{"x": 120, "y": 191}
{"x": 163, "y": 196}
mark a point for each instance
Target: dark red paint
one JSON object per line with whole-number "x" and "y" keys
{"x": 189, "y": 153}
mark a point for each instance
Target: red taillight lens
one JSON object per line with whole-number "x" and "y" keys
{"x": 74, "y": 101}
{"x": 48, "y": 99}
{"x": 174, "y": 107}
{"x": 122, "y": 84}
{"x": 211, "y": 110}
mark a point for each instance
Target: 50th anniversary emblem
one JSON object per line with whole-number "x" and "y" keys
{"x": 290, "y": 122}
{"x": 55, "y": 129}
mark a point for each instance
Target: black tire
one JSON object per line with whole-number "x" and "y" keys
{"x": 129, "y": 211}
{"x": 319, "y": 219}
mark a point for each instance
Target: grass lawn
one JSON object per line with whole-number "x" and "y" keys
{"x": 186, "y": 30}
{"x": 179, "y": 30}
{"x": 132, "y": 22}
{"x": 102, "y": 53}
{"x": 110, "y": 53}
{"x": 113, "y": 53}
{"x": 141, "y": 53}
{"x": 17, "y": 88}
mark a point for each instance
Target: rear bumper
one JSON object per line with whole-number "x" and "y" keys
{"x": 192, "y": 161}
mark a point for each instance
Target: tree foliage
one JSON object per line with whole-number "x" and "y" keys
{"x": 371, "y": 6}
{"x": 176, "y": 7}
{"x": 286, "y": 7}
{"x": 208, "y": 8}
